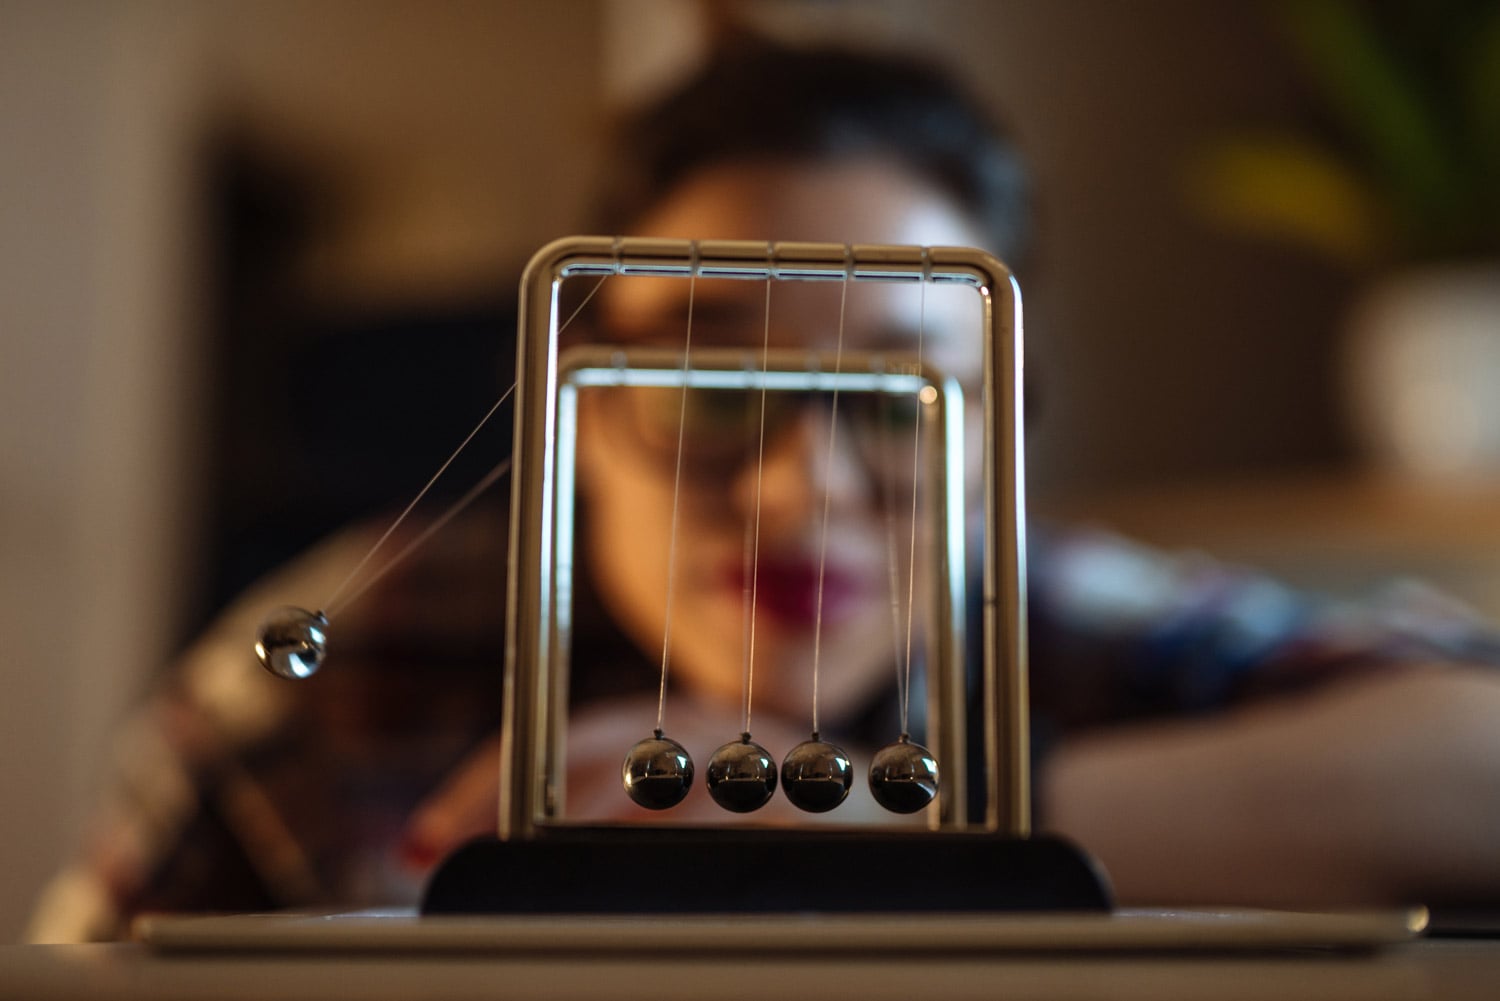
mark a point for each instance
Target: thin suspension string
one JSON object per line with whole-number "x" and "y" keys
{"x": 333, "y": 606}
{"x": 747, "y": 575}
{"x": 485, "y": 482}
{"x": 833, "y": 424}
{"x": 911, "y": 563}
{"x": 760, "y": 466}
{"x": 893, "y": 581}
{"x": 666, "y": 632}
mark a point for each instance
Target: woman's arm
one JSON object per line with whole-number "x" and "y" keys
{"x": 1375, "y": 789}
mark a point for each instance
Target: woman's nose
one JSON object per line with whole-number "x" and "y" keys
{"x": 799, "y": 470}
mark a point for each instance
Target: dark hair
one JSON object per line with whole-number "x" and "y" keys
{"x": 758, "y": 100}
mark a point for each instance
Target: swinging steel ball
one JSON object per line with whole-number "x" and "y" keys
{"x": 816, "y": 775}
{"x": 658, "y": 772}
{"x": 292, "y": 641}
{"x": 741, "y": 775}
{"x": 904, "y": 776}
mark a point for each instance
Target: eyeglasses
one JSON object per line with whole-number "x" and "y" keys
{"x": 720, "y": 429}
{"x": 883, "y": 403}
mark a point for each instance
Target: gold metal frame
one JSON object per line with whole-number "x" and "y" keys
{"x": 528, "y": 751}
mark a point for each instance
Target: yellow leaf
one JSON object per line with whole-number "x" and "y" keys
{"x": 1282, "y": 189}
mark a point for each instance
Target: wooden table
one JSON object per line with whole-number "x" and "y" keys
{"x": 1441, "y": 969}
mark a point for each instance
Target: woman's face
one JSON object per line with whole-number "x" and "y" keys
{"x": 627, "y": 476}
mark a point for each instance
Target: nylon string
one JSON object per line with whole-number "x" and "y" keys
{"x": 833, "y": 424}
{"x": 760, "y": 464}
{"x": 666, "y": 631}
{"x": 334, "y": 605}
{"x": 911, "y": 563}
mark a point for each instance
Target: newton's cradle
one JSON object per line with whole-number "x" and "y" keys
{"x": 975, "y": 851}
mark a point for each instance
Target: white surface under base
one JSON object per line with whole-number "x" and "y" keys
{"x": 1187, "y": 930}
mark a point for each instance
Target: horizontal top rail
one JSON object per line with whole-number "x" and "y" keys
{"x": 761, "y": 261}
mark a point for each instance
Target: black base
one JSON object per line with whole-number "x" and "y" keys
{"x": 636, "y": 871}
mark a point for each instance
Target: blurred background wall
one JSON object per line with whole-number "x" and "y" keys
{"x": 214, "y": 213}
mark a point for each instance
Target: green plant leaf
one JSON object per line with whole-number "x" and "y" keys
{"x": 1386, "y": 109}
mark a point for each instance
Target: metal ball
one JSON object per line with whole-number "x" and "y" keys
{"x": 658, "y": 772}
{"x": 741, "y": 775}
{"x": 904, "y": 776}
{"x": 292, "y": 641}
{"x": 816, "y": 776}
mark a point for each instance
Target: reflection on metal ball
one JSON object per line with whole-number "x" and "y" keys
{"x": 657, "y": 772}
{"x": 741, "y": 775}
{"x": 292, "y": 641}
{"x": 816, "y": 775}
{"x": 904, "y": 776}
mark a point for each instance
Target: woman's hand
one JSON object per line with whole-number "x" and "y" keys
{"x": 465, "y": 806}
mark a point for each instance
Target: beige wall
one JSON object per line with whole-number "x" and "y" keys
{"x": 96, "y": 398}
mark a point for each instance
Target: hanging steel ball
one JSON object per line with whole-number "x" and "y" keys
{"x": 292, "y": 641}
{"x": 816, "y": 775}
{"x": 658, "y": 772}
{"x": 904, "y": 776}
{"x": 741, "y": 775}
